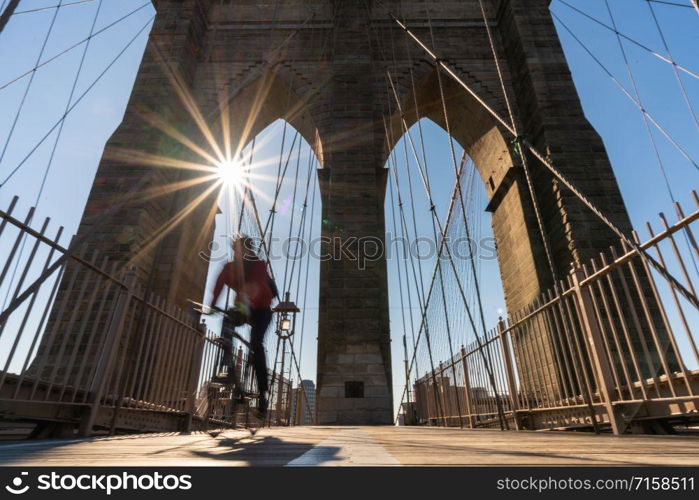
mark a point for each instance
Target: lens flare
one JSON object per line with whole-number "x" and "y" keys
{"x": 231, "y": 173}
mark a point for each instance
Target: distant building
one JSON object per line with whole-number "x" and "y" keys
{"x": 303, "y": 404}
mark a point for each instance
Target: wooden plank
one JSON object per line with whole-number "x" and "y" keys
{"x": 358, "y": 445}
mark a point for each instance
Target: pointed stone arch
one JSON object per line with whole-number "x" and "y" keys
{"x": 520, "y": 251}
{"x": 260, "y": 103}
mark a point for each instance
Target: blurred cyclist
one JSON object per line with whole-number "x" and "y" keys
{"x": 248, "y": 277}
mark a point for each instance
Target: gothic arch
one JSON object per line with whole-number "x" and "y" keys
{"x": 471, "y": 125}
{"x": 520, "y": 252}
{"x": 269, "y": 98}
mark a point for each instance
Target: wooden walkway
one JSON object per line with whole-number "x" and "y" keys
{"x": 389, "y": 446}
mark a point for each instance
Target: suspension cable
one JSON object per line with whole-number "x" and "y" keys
{"x": 244, "y": 202}
{"x": 106, "y": 215}
{"x": 281, "y": 174}
{"x": 637, "y": 95}
{"x": 39, "y": 65}
{"x": 680, "y": 84}
{"x": 437, "y": 220}
{"x": 457, "y": 171}
{"x": 419, "y": 284}
{"x": 308, "y": 265}
{"x": 266, "y": 250}
{"x": 292, "y": 208}
{"x": 673, "y": 4}
{"x": 406, "y": 235}
{"x": 486, "y": 361}
{"x": 312, "y": 161}
{"x": 452, "y": 359}
{"x": 421, "y": 299}
{"x": 5, "y": 14}
{"x": 301, "y": 232}
{"x": 645, "y": 112}
{"x": 549, "y": 165}
{"x": 539, "y": 156}
{"x": 296, "y": 361}
{"x": 423, "y": 314}
{"x": 522, "y": 155}
{"x": 28, "y": 87}
{"x": 247, "y": 186}
{"x": 302, "y": 224}
{"x": 424, "y": 174}
{"x": 38, "y": 9}
{"x": 78, "y": 73}
{"x": 400, "y": 292}
{"x": 77, "y": 101}
{"x": 638, "y": 44}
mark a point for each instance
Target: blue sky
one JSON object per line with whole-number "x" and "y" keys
{"x": 95, "y": 118}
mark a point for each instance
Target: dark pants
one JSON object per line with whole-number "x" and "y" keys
{"x": 259, "y": 320}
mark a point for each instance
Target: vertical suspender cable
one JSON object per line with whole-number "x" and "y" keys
{"x": 422, "y": 300}
{"x": 521, "y": 153}
{"x": 308, "y": 265}
{"x": 292, "y": 208}
{"x": 420, "y": 289}
{"x": 554, "y": 170}
{"x": 400, "y": 291}
{"x": 442, "y": 231}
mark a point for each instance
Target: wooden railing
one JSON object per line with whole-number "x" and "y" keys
{"x": 613, "y": 345}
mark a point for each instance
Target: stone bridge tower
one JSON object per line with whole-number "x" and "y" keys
{"x": 321, "y": 65}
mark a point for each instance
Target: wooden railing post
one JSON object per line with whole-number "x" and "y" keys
{"x": 433, "y": 392}
{"x": 108, "y": 353}
{"x": 467, "y": 389}
{"x": 509, "y": 371}
{"x": 193, "y": 386}
{"x": 593, "y": 335}
{"x": 443, "y": 395}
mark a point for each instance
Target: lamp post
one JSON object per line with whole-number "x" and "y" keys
{"x": 286, "y": 317}
{"x": 286, "y": 324}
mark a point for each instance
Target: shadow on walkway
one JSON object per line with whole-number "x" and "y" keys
{"x": 262, "y": 451}
{"x": 235, "y": 449}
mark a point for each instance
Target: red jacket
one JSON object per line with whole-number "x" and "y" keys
{"x": 250, "y": 281}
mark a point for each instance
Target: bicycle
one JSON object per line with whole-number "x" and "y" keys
{"x": 226, "y": 385}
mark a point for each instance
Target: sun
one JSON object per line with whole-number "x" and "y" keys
{"x": 231, "y": 172}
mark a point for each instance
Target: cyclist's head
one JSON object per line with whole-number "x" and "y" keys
{"x": 244, "y": 246}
